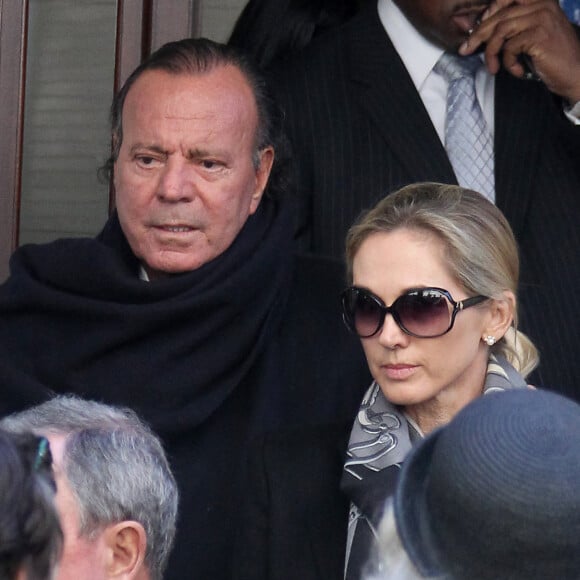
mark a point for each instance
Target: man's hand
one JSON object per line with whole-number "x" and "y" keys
{"x": 538, "y": 29}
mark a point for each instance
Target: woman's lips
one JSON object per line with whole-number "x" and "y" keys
{"x": 399, "y": 372}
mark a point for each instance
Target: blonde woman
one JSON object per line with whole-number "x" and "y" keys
{"x": 433, "y": 272}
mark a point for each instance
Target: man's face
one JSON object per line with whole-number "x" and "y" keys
{"x": 185, "y": 179}
{"x": 81, "y": 557}
{"x": 444, "y": 22}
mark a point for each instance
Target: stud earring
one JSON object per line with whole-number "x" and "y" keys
{"x": 489, "y": 340}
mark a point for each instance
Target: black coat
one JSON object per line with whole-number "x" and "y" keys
{"x": 247, "y": 343}
{"x": 359, "y": 130}
{"x": 295, "y": 520}
{"x": 316, "y": 372}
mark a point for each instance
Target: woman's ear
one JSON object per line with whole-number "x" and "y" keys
{"x": 501, "y": 316}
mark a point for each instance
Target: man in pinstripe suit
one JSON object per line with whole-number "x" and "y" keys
{"x": 362, "y": 124}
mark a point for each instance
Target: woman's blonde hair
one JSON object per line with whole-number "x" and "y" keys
{"x": 481, "y": 250}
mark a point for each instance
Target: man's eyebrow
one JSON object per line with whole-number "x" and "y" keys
{"x": 145, "y": 146}
{"x": 196, "y": 153}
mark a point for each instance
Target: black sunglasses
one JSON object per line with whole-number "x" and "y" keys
{"x": 420, "y": 312}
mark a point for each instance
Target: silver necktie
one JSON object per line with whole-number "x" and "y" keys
{"x": 468, "y": 141}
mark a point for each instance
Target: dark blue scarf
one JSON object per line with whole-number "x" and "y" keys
{"x": 75, "y": 317}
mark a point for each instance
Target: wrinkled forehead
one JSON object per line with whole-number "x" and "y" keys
{"x": 221, "y": 95}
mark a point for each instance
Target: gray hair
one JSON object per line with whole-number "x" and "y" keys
{"x": 116, "y": 468}
{"x": 481, "y": 250}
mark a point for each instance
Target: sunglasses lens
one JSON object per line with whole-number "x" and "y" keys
{"x": 362, "y": 312}
{"x": 424, "y": 313}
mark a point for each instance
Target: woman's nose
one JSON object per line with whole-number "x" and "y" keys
{"x": 391, "y": 335}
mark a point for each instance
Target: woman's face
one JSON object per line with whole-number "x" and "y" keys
{"x": 449, "y": 369}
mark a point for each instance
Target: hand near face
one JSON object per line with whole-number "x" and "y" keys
{"x": 538, "y": 29}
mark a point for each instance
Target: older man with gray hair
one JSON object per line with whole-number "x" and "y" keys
{"x": 116, "y": 496}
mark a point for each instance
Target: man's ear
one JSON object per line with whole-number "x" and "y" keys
{"x": 262, "y": 175}
{"x": 126, "y": 544}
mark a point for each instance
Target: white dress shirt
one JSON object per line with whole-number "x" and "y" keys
{"x": 419, "y": 56}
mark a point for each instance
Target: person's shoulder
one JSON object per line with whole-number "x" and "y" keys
{"x": 74, "y": 264}
{"x": 329, "y": 59}
{"x": 333, "y": 40}
{"x": 322, "y": 51}
{"x": 317, "y": 282}
{"x": 38, "y": 258}
{"x": 322, "y": 269}
{"x": 64, "y": 249}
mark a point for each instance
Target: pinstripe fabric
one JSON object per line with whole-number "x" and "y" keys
{"x": 359, "y": 130}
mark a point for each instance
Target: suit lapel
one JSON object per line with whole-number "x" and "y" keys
{"x": 519, "y": 133}
{"x": 386, "y": 92}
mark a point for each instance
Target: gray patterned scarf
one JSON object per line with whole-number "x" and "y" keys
{"x": 380, "y": 439}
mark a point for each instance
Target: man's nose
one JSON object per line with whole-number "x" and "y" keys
{"x": 176, "y": 182}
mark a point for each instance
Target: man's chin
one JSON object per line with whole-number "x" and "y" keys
{"x": 157, "y": 269}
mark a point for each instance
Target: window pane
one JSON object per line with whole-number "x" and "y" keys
{"x": 217, "y": 18}
{"x": 69, "y": 86}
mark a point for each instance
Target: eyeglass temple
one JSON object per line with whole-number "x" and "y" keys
{"x": 41, "y": 453}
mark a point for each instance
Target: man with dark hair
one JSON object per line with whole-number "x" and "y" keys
{"x": 190, "y": 306}
{"x": 116, "y": 496}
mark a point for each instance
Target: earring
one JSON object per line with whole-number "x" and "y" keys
{"x": 489, "y": 340}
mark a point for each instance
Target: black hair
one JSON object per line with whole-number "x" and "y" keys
{"x": 197, "y": 56}
{"x": 30, "y": 533}
{"x": 269, "y": 30}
